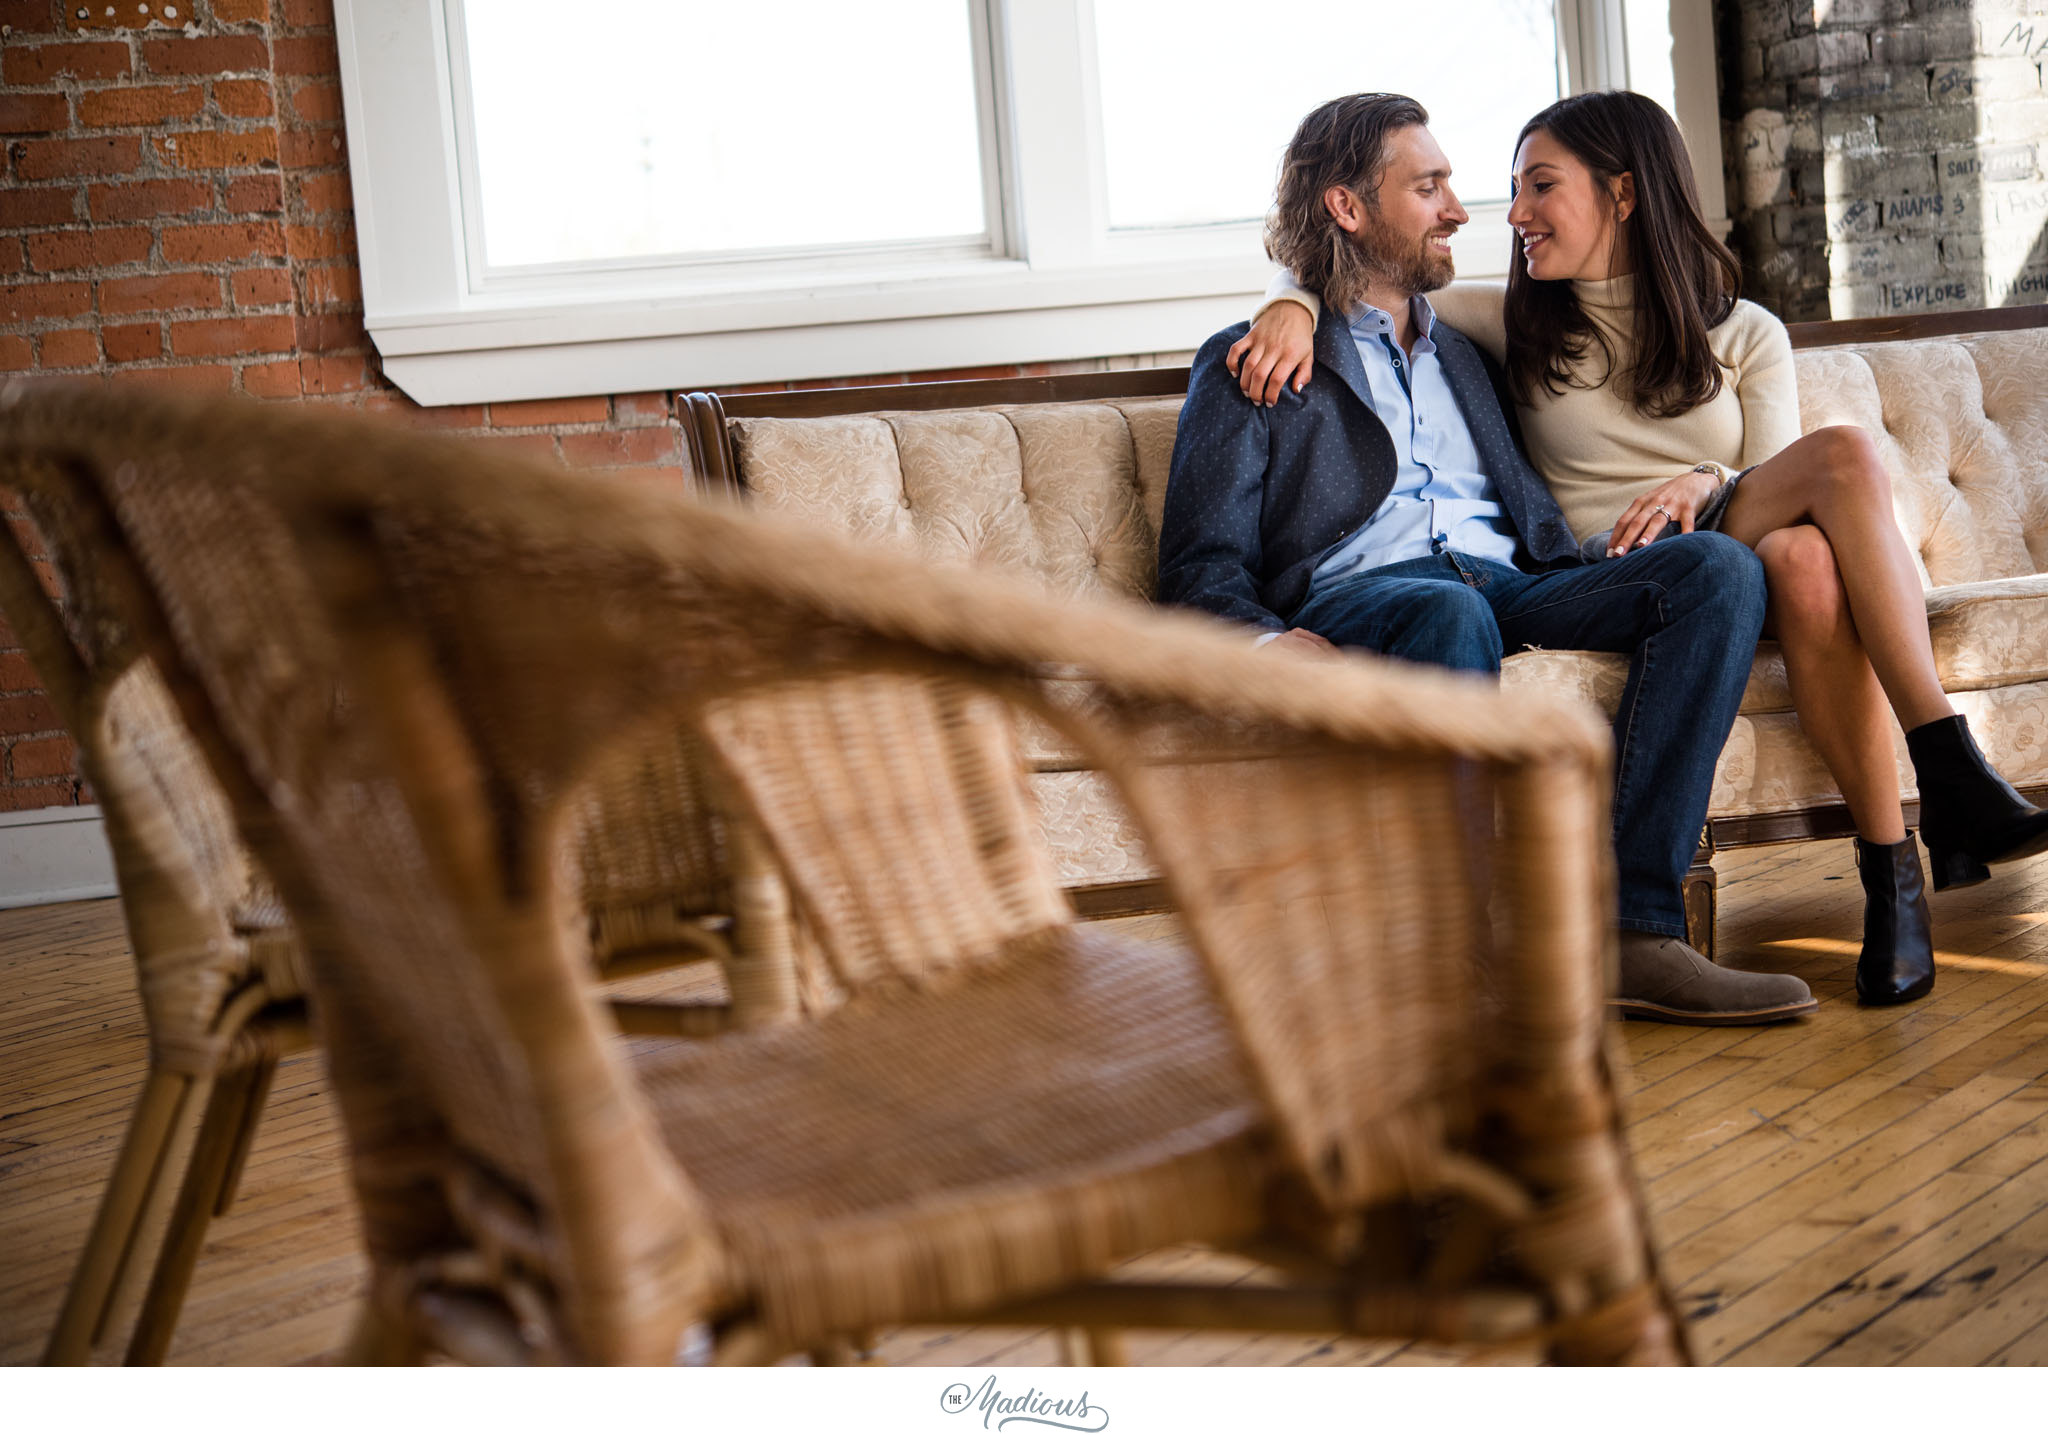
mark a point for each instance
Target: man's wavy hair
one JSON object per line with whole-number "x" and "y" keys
{"x": 1341, "y": 143}
{"x": 1686, "y": 281}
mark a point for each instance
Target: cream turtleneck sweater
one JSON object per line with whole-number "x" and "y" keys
{"x": 1594, "y": 450}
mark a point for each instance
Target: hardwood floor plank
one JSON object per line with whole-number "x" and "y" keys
{"x": 1988, "y": 1333}
{"x": 1809, "y": 1253}
{"x": 1723, "y": 1183}
{"x": 1747, "y": 1222}
{"x": 1881, "y": 1315}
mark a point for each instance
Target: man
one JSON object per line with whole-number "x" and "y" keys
{"x": 1392, "y": 509}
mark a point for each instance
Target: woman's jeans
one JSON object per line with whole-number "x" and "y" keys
{"x": 1687, "y": 610}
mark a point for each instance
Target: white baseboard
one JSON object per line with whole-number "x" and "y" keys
{"x": 54, "y": 854}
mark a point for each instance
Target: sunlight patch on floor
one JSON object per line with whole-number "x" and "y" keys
{"x": 1833, "y": 946}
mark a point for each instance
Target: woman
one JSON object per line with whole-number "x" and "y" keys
{"x": 1654, "y": 401}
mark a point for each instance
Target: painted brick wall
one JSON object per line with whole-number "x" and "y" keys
{"x": 1885, "y": 156}
{"x": 174, "y": 212}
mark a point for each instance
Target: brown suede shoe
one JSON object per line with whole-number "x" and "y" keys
{"x": 1663, "y": 979}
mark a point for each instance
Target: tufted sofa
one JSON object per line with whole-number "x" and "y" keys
{"x": 1065, "y": 478}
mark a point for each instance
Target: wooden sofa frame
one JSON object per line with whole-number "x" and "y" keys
{"x": 714, "y": 467}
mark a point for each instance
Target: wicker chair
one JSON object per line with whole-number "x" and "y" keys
{"x": 219, "y": 968}
{"x": 1380, "y": 1063}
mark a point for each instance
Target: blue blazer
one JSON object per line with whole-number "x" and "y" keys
{"x": 1257, "y": 495}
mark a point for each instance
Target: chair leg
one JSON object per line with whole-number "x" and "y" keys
{"x": 374, "y": 1340}
{"x": 761, "y": 971}
{"x": 1108, "y": 1347}
{"x": 132, "y": 1278}
{"x": 1093, "y": 1345}
{"x": 226, "y": 1109}
{"x": 1636, "y": 1327}
{"x": 117, "y": 1224}
{"x": 262, "y": 1074}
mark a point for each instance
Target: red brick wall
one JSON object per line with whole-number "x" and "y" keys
{"x": 174, "y": 211}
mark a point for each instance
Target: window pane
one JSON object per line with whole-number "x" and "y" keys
{"x": 676, "y": 127}
{"x": 1199, "y": 97}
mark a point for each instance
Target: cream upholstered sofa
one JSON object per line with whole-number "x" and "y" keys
{"x": 1065, "y": 479}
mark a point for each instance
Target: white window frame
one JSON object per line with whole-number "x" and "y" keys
{"x": 1057, "y": 285}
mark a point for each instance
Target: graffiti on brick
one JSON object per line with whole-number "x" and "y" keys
{"x": 1856, "y": 86}
{"x": 1921, "y": 206}
{"x": 1997, "y": 163}
{"x": 1902, "y": 164}
{"x": 2020, "y": 205}
{"x": 2029, "y": 285}
{"x": 1954, "y": 83}
{"x": 1914, "y": 206}
{"x": 2021, "y": 40}
{"x": 1927, "y": 294}
{"x": 1859, "y": 215}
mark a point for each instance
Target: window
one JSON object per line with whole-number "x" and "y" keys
{"x": 1199, "y": 97}
{"x": 628, "y": 159}
{"x": 667, "y": 194}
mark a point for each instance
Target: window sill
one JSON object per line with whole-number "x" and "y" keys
{"x": 477, "y": 363}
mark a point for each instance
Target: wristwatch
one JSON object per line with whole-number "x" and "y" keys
{"x": 1720, "y": 471}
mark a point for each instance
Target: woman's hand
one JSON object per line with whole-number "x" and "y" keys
{"x": 1278, "y": 349}
{"x": 1677, "y": 500}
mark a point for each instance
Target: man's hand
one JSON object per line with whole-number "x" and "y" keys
{"x": 1301, "y": 640}
{"x": 1278, "y": 350}
{"x": 1677, "y": 500}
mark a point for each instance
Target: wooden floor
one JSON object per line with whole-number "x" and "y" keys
{"x": 1870, "y": 1186}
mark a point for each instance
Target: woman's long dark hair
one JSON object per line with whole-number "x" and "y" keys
{"x": 1686, "y": 281}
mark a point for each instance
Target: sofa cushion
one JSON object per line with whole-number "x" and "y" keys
{"x": 1068, "y": 493}
{"x": 1986, "y": 635}
{"x": 1991, "y": 633}
{"x": 1769, "y": 767}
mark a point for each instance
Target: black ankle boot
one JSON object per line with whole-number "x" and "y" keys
{"x": 1969, "y": 815}
{"x": 1897, "y": 964}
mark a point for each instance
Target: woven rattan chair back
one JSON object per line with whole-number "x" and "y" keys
{"x": 185, "y": 872}
{"x": 406, "y": 660}
{"x": 219, "y": 976}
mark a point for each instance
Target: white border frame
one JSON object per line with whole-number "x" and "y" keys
{"x": 1059, "y": 286}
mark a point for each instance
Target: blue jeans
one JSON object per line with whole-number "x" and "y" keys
{"x": 1687, "y": 610}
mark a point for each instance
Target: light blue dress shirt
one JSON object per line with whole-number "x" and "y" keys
{"x": 1442, "y": 498}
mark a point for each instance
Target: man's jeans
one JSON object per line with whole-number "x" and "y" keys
{"x": 1687, "y": 609}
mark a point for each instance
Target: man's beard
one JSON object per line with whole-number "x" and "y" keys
{"x": 1413, "y": 270}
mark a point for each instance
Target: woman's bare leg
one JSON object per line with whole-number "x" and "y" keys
{"x": 1834, "y": 480}
{"x": 1840, "y": 703}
